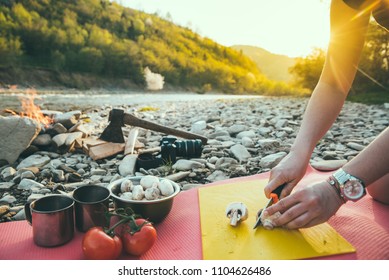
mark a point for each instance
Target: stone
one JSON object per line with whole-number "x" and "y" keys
{"x": 247, "y": 142}
{"x": 217, "y": 175}
{"x": 328, "y": 165}
{"x": 225, "y": 163}
{"x": 9, "y": 199}
{"x": 198, "y": 127}
{"x": 35, "y": 160}
{"x": 272, "y": 160}
{"x": 236, "y": 128}
{"x": 28, "y": 184}
{"x": 240, "y": 152}
{"x": 17, "y": 135}
{"x": 355, "y": 146}
{"x": 8, "y": 173}
{"x": 184, "y": 165}
{"x": 42, "y": 140}
{"x": 268, "y": 144}
{"x": 127, "y": 166}
{"x": 5, "y": 186}
{"x": 248, "y": 133}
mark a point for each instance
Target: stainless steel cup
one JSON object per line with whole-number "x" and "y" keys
{"x": 52, "y": 220}
{"x": 91, "y": 204}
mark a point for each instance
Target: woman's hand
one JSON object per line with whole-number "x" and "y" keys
{"x": 307, "y": 207}
{"x": 290, "y": 170}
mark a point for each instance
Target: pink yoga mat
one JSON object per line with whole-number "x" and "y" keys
{"x": 364, "y": 224}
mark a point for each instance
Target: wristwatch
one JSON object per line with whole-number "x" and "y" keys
{"x": 348, "y": 186}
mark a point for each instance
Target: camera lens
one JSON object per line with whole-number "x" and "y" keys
{"x": 189, "y": 148}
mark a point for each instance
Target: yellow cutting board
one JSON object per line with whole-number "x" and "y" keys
{"x": 221, "y": 241}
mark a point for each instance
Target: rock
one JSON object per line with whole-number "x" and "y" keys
{"x": 268, "y": 144}
{"x": 42, "y": 140}
{"x": 217, "y": 175}
{"x": 184, "y": 165}
{"x": 5, "y": 186}
{"x": 60, "y": 139}
{"x": 328, "y": 165}
{"x": 8, "y": 199}
{"x": 67, "y": 119}
{"x": 236, "y": 128}
{"x": 240, "y": 152}
{"x": 247, "y": 142}
{"x": 199, "y": 127}
{"x": 17, "y": 134}
{"x": 355, "y": 146}
{"x": 248, "y": 133}
{"x": 225, "y": 163}
{"x": 28, "y": 184}
{"x": 59, "y": 128}
{"x": 178, "y": 176}
{"x": 35, "y": 160}
{"x": 127, "y": 166}
{"x": 272, "y": 160}
{"x": 8, "y": 173}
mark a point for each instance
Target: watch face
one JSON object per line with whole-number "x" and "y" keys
{"x": 353, "y": 190}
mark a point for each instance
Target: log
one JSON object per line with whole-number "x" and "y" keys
{"x": 131, "y": 141}
{"x": 105, "y": 150}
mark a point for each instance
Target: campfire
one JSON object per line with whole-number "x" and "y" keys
{"x": 30, "y": 110}
{"x": 33, "y": 129}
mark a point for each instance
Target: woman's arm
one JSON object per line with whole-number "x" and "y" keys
{"x": 348, "y": 28}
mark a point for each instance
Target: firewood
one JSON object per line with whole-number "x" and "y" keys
{"x": 105, "y": 150}
{"x": 131, "y": 140}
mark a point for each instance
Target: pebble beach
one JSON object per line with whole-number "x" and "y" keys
{"x": 245, "y": 137}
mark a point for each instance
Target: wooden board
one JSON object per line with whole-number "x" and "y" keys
{"x": 221, "y": 241}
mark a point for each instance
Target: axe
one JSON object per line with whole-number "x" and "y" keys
{"x": 113, "y": 132}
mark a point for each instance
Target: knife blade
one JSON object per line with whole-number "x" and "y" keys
{"x": 270, "y": 202}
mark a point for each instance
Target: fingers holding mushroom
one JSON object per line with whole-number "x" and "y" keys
{"x": 266, "y": 220}
{"x": 236, "y": 212}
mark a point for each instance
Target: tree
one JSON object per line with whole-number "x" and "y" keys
{"x": 307, "y": 69}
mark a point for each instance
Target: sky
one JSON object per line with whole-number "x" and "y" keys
{"x": 288, "y": 27}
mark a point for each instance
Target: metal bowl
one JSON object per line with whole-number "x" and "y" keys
{"x": 153, "y": 210}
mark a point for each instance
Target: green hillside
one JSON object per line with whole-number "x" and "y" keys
{"x": 274, "y": 66}
{"x": 100, "y": 38}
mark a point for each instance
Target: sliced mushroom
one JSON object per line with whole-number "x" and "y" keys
{"x": 266, "y": 220}
{"x": 236, "y": 212}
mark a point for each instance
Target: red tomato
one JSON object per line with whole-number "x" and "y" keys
{"x": 141, "y": 241}
{"x": 98, "y": 245}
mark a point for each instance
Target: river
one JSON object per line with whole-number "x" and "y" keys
{"x": 70, "y": 100}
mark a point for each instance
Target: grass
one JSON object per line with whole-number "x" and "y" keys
{"x": 370, "y": 98}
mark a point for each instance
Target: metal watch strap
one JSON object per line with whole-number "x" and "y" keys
{"x": 342, "y": 177}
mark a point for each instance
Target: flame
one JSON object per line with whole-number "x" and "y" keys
{"x": 32, "y": 111}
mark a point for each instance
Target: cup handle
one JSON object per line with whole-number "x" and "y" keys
{"x": 27, "y": 212}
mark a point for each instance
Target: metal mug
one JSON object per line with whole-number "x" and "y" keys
{"x": 52, "y": 219}
{"x": 91, "y": 204}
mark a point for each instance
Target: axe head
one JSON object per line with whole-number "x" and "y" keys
{"x": 113, "y": 132}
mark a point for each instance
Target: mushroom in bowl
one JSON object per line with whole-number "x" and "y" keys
{"x": 149, "y": 196}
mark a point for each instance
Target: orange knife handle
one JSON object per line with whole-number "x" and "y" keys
{"x": 277, "y": 193}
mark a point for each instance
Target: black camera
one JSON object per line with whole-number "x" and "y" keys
{"x": 171, "y": 148}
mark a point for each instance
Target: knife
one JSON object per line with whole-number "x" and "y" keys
{"x": 276, "y": 193}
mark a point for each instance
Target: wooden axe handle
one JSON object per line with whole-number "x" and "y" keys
{"x": 130, "y": 119}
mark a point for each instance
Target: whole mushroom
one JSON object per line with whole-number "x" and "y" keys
{"x": 149, "y": 181}
{"x": 126, "y": 186}
{"x": 137, "y": 192}
{"x": 166, "y": 187}
{"x": 152, "y": 193}
{"x": 236, "y": 212}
